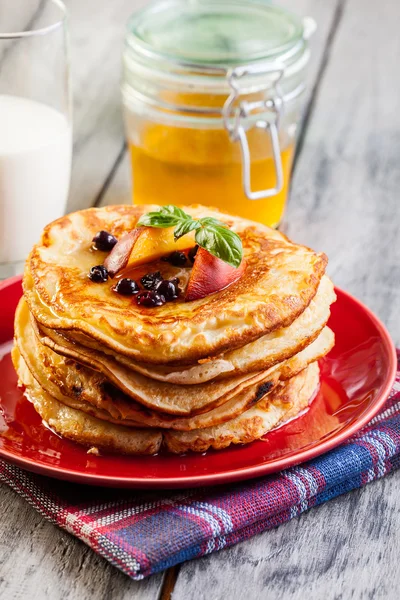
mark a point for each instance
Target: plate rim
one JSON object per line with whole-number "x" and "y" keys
{"x": 243, "y": 473}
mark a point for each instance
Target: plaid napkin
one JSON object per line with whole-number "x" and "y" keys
{"x": 145, "y": 532}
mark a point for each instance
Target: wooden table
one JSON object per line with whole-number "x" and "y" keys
{"x": 344, "y": 201}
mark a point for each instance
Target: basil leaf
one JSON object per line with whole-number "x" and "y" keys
{"x": 222, "y": 243}
{"x": 174, "y": 211}
{"x": 184, "y": 227}
{"x": 211, "y": 221}
{"x": 167, "y": 216}
{"x": 211, "y": 234}
{"x": 156, "y": 220}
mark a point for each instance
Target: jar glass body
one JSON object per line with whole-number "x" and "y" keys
{"x": 181, "y": 151}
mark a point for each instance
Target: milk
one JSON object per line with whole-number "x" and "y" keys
{"x": 35, "y": 164}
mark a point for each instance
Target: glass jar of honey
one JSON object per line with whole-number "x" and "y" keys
{"x": 212, "y": 93}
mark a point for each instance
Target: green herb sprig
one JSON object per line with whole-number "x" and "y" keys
{"x": 211, "y": 234}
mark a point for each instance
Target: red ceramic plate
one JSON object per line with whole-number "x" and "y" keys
{"x": 355, "y": 380}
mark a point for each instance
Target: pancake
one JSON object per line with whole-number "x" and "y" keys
{"x": 280, "y": 280}
{"x": 77, "y": 402}
{"x": 164, "y": 397}
{"x": 83, "y": 388}
{"x": 285, "y": 403}
{"x": 82, "y": 428}
{"x": 261, "y": 354}
{"x": 109, "y": 373}
{"x": 74, "y": 385}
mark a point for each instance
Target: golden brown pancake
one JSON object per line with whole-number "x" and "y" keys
{"x": 185, "y": 376}
{"x": 80, "y": 387}
{"x": 261, "y": 354}
{"x": 166, "y": 397}
{"x": 278, "y": 284}
{"x": 285, "y": 403}
{"x": 82, "y": 428}
{"x": 58, "y": 375}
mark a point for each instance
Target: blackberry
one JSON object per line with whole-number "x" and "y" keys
{"x": 126, "y": 287}
{"x": 150, "y": 298}
{"x": 168, "y": 289}
{"x": 98, "y": 274}
{"x": 177, "y": 259}
{"x": 151, "y": 280}
{"x": 104, "y": 241}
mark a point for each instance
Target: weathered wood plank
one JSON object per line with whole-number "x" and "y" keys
{"x": 97, "y": 33}
{"x": 119, "y": 189}
{"x": 40, "y": 562}
{"x": 344, "y": 201}
{"x": 345, "y": 198}
{"x": 347, "y": 548}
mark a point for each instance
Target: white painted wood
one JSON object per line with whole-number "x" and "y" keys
{"x": 345, "y": 198}
{"x": 119, "y": 191}
{"x": 38, "y": 561}
{"x": 345, "y": 201}
{"x": 97, "y": 30}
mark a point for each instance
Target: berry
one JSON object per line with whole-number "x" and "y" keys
{"x": 104, "y": 241}
{"x": 150, "y": 298}
{"x": 151, "y": 280}
{"x": 168, "y": 289}
{"x": 177, "y": 259}
{"x": 192, "y": 253}
{"x": 126, "y": 287}
{"x": 98, "y": 274}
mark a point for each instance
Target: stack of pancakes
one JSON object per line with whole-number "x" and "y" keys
{"x": 226, "y": 369}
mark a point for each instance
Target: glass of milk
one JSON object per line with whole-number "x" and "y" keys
{"x": 35, "y": 124}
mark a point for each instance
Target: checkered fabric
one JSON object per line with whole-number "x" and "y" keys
{"x": 143, "y": 533}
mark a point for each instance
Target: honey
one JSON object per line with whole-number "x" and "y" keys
{"x": 183, "y": 165}
{"x": 181, "y": 181}
{"x": 212, "y": 96}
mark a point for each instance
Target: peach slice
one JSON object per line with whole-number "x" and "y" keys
{"x": 211, "y": 274}
{"x": 143, "y": 245}
{"x": 119, "y": 255}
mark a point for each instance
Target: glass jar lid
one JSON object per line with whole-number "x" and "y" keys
{"x": 215, "y": 33}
